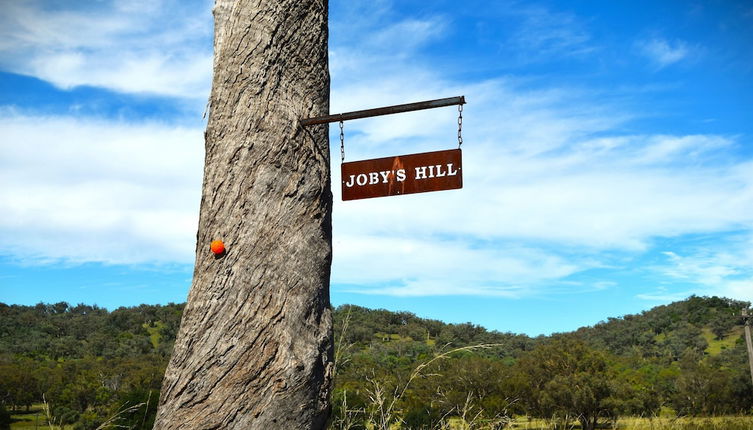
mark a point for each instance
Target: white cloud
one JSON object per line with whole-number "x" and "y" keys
{"x": 406, "y": 35}
{"x": 148, "y": 72}
{"x": 552, "y": 186}
{"x": 542, "y": 170}
{"x": 407, "y": 265}
{"x": 722, "y": 268}
{"x": 82, "y": 190}
{"x": 543, "y": 197}
{"x": 543, "y": 33}
{"x": 387, "y": 50}
{"x": 162, "y": 48}
{"x": 665, "y": 297}
{"x": 663, "y": 52}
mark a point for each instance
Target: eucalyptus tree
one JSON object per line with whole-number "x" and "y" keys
{"x": 254, "y": 349}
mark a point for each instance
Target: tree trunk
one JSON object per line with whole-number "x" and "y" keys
{"x": 747, "y": 320}
{"x": 254, "y": 349}
{"x": 588, "y": 422}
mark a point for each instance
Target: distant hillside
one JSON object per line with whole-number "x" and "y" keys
{"x": 363, "y": 327}
{"x": 61, "y": 331}
{"x": 687, "y": 357}
{"x": 708, "y": 325}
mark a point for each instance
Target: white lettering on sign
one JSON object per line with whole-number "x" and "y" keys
{"x": 435, "y": 171}
{"x": 373, "y": 178}
{"x": 423, "y": 172}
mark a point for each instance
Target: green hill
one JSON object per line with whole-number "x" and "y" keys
{"x": 687, "y": 358}
{"x": 707, "y": 325}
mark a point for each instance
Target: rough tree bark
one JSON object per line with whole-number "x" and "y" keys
{"x": 255, "y": 344}
{"x": 748, "y": 321}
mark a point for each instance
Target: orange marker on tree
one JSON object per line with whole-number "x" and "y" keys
{"x": 217, "y": 247}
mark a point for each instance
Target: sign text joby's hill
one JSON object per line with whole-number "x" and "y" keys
{"x": 404, "y": 174}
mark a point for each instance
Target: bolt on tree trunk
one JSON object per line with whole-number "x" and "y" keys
{"x": 254, "y": 349}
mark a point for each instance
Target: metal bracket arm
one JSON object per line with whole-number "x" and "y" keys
{"x": 388, "y": 110}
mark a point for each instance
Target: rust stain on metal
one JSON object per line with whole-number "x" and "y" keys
{"x": 403, "y": 174}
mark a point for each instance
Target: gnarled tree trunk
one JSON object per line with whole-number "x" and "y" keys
{"x": 255, "y": 345}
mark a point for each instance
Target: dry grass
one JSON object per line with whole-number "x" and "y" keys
{"x": 688, "y": 423}
{"x": 628, "y": 423}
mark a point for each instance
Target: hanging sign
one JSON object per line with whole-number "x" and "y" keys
{"x": 404, "y": 174}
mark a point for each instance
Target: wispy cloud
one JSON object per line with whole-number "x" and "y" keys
{"x": 79, "y": 190}
{"x": 719, "y": 264}
{"x": 386, "y": 50}
{"x": 406, "y": 35}
{"x": 663, "y": 53}
{"x": 404, "y": 264}
{"x": 724, "y": 268}
{"x": 665, "y": 297}
{"x": 161, "y": 48}
{"x": 544, "y": 33}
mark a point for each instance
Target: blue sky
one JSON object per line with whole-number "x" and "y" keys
{"x": 608, "y": 154}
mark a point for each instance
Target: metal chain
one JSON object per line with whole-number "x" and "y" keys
{"x": 342, "y": 143}
{"x": 460, "y": 125}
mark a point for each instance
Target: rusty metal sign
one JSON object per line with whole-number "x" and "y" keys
{"x": 404, "y": 174}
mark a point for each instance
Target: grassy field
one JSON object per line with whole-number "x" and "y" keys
{"x": 630, "y": 423}
{"x": 717, "y": 346}
{"x": 636, "y": 423}
{"x": 687, "y": 423}
{"x": 154, "y": 332}
{"x": 35, "y": 418}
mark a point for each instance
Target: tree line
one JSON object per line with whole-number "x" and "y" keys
{"x": 686, "y": 358}
{"x": 88, "y": 365}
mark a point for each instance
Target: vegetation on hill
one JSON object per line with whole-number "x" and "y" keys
{"x": 688, "y": 358}
{"x": 87, "y": 363}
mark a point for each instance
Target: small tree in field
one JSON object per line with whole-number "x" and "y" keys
{"x": 565, "y": 379}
